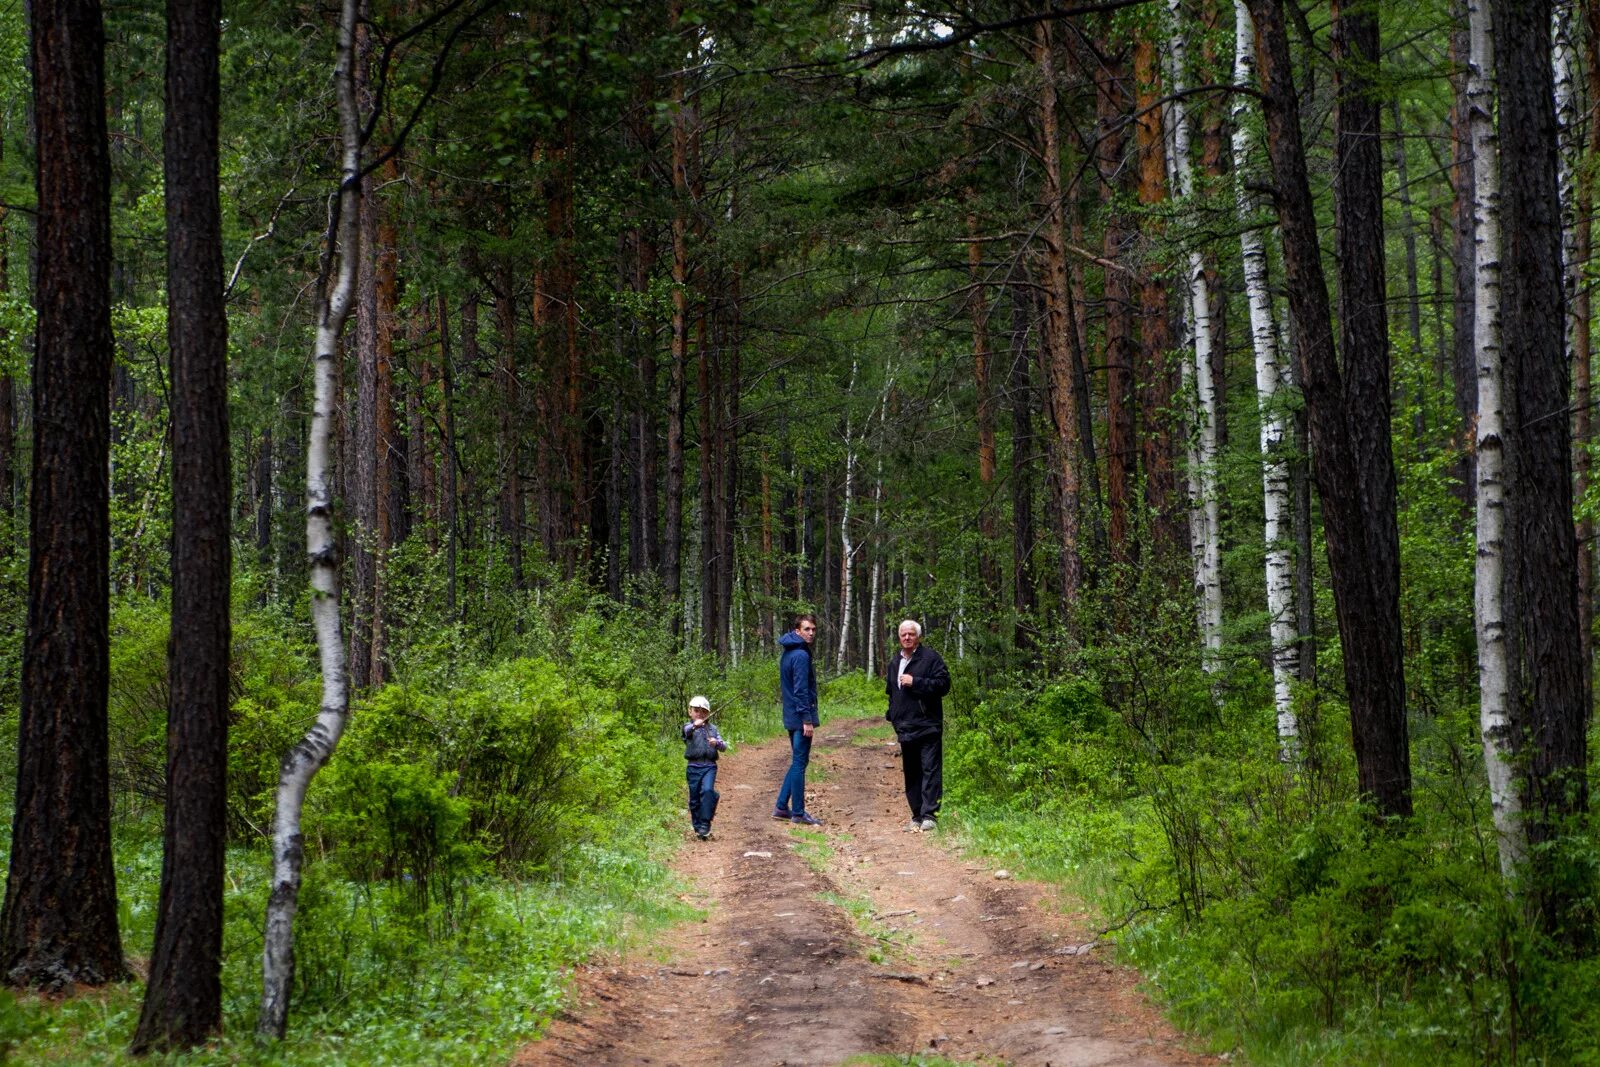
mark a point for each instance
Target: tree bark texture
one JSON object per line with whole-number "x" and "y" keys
{"x": 302, "y": 762}
{"x": 183, "y": 996}
{"x": 1547, "y": 678}
{"x": 1153, "y": 381}
{"x": 58, "y": 927}
{"x": 1205, "y": 527}
{"x": 1368, "y": 623}
{"x": 1283, "y": 620}
{"x": 1060, "y": 377}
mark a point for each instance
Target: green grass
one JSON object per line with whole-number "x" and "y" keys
{"x": 377, "y": 984}
{"x": 812, "y": 846}
{"x": 888, "y": 943}
{"x": 873, "y": 735}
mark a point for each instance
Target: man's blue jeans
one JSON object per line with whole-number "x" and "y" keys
{"x": 702, "y": 795}
{"x": 792, "y": 796}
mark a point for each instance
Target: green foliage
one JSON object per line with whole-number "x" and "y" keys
{"x": 1272, "y": 911}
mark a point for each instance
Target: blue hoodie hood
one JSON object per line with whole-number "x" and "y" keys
{"x": 791, "y": 640}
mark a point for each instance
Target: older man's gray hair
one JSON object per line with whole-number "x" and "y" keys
{"x": 916, "y": 626}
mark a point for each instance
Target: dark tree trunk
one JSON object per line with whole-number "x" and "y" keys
{"x": 361, "y": 481}
{"x": 183, "y": 997}
{"x": 1119, "y": 353}
{"x": 1465, "y": 263}
{"x": 263, "y": 488}
{"x": 1024, "y": 598}
{"x": 450, "y": 503}
{"x": 59, "y": 923}
{"x": 1347, "y": 461}
{"x": 1153, "y": 382}
{"x": 1547, "y": 683}
{"x": 510, "y": 409}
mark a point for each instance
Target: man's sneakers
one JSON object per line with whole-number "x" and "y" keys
{"x": 779, "y": 813}
{"x": 918, "y": 826}
{"x": 805, "y": 818}
{"x": 704, "y": 835}
{"x": 929, "y": 824}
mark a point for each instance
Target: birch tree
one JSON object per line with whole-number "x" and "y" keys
{"x": 1281, "y": 608}
{"x": 1204, "y": 518}
{"x": 302, "y": 762}
{"x": 1489, "y": 606}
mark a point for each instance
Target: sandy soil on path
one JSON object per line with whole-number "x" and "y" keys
{"x": 858, "y": 937}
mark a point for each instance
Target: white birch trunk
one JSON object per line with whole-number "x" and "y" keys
{"x": 846, "y": 550}
{"x": 1569, "y": 133}
{"x": 1204, "y": 518}
{"x": 308, "y": 756}
{"x": 1284, "y": 624}
{"x": 1489, "y": 606}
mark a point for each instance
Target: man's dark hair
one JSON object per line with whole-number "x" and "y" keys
{"x": 804, "y": 616}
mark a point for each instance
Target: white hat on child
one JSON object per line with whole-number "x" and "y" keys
{"x": 700, "y": 702}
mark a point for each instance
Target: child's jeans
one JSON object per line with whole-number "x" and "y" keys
{"x": 703, "y": 795}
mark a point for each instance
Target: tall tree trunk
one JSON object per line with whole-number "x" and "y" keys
{"x": 1205, "y": 529}
{"x": 1024, "y": 602}
{"x": 1490, "y": 599}
{"x": 1119, "y": 352}
{"x": 1546, "y": 677}
{"x": 1465, "y": 271}
{"x": 385, "y": 434}
{"x": 672, "y": 540}
{"x": 450, "y": 502}
{"x": 978, "y": 308}
{"x": 1283, "y": 622}
{"x": 309, "y": 754}
{"x": 508, "y": 388}
{"x": 183, "y": 996}
{"x": 1583, "y": 356}
{"x": 1382, "y": 751}
{"x": 1058, "y": 323}
{"x": 1369, "y": 625}
{"x": 59, "y": 923}
{"x": 1153, "y": 381}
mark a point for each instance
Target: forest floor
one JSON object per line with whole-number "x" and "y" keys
{"x": 858, "y": 938}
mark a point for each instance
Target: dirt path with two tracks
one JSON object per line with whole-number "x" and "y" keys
{"x": 858, "y": 937}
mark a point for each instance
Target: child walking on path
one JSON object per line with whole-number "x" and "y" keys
{"x": 701, "y": 743}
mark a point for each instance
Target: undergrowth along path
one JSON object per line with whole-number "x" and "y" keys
{"x": 854, "y": 939}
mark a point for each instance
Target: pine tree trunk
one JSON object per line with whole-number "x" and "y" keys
{"x": 672, "y": 539}
{"x": 58, "y": 927}
{"x": 1057, "y": 326}
{"x": 1153, "y": 380}
{"x": 1464, "y": 264}
{"x": 1368, "y": 622}
{"x": 309, "y": 755}
{"x": 1024, "y": 599}
{"x": 183, "y": 995}
{"x": 1119, "y": 353}
{"x": 1546, "y": 677}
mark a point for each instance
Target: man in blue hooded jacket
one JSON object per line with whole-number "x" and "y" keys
{"x": 797, "y": 681}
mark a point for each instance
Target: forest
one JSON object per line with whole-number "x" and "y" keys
{"x": 407, "y": 405}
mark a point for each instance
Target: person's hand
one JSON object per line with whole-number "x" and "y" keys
{"x": 905, "y": 680}
{"x": 807, "y": 729}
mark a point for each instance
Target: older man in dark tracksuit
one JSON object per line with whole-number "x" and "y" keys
{"x": 917, "y": 681}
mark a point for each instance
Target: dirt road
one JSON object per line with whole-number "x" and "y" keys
{"x": 858, "y": 937}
